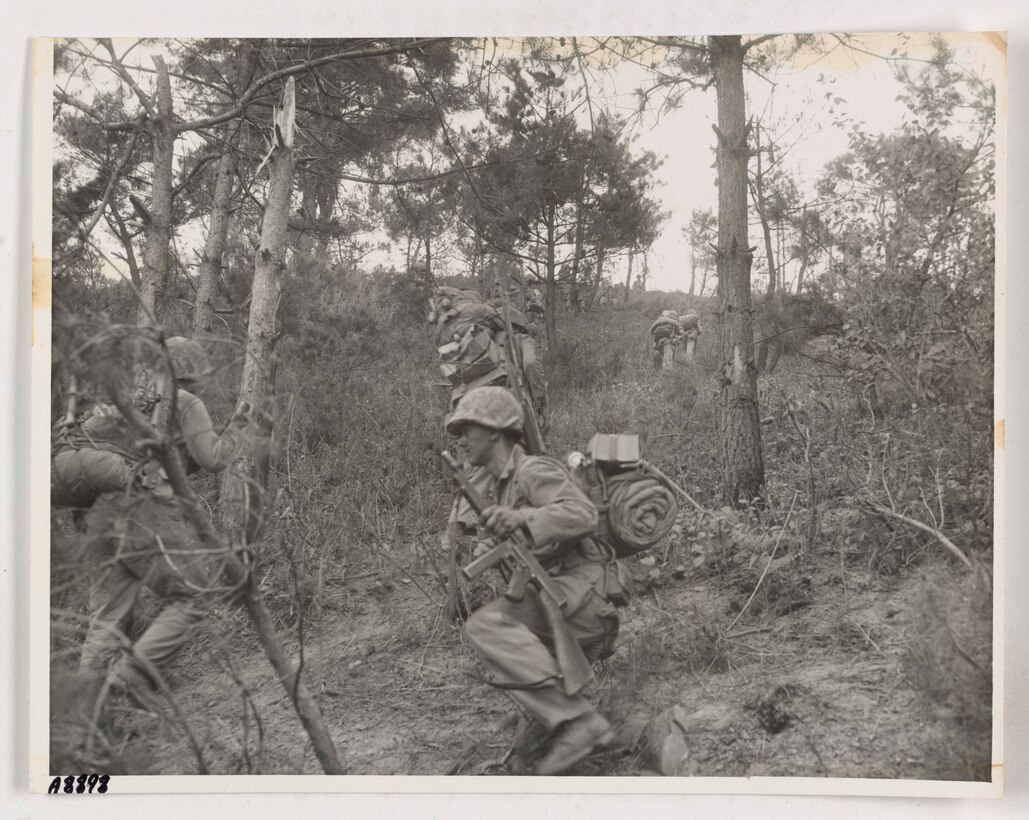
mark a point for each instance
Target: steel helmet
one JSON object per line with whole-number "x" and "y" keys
{"x": 188, "y": 358}
{"x": 493, "y": 407}
{"x": 668, "y": 314}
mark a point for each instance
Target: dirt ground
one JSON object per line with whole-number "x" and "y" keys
{"x": 813, "y": 680}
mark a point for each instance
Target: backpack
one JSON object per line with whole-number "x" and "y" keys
{"x": 664, "y": 328}
{"x": 637, "y": 508}
{"x": 474, "y": 355}
{"x": 454, "y": 322}
{"x": 97, "y": 453}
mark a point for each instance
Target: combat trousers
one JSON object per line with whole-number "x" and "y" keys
{"x": 136, "y": 542}
{"x": 513, "y": 641}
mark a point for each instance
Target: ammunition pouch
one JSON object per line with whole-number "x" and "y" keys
{"x": 617, "y": 584}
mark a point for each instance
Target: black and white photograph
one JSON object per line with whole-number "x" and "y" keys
{"x": 532, "y": 409}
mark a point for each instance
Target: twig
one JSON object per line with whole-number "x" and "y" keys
{"x": 465, "y": 758}
{"x": 162, "y": 684}
{"x": 751, "y": 631}
{"x": 238, "y": 575}
{"x": 647, "y": 465}
{"x": 407, "y": 574}
{"x": 868, "y": 637}
{"x": 764, "y": 572}
{"x": 805, "y": 435}
{"x": 886, "y": 486}
{"x": 248, "y": 701}
{"x": 943, "y": 539}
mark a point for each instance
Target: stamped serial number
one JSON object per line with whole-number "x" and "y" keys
{"x": 83, "y": 784}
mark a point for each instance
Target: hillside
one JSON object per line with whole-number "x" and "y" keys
{"x": 814, "y": 637}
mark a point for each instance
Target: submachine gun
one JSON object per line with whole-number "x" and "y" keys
{"x": 517, "y": 551}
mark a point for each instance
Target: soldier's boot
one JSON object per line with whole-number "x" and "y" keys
{"x": 128, "y": 680}
{"x": 578, "y": 740}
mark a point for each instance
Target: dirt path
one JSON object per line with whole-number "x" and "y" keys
{"x": 817, "y": 691}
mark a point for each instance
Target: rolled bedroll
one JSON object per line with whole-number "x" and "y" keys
{"x": 641, "y": 511}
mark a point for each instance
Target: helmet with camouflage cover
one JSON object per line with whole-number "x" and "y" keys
{"x": 493, "y": 407}
{"x": 189, "y": 359}
{"x": 668, "y": 314}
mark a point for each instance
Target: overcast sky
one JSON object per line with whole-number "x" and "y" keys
{"x": 866, "y": 86}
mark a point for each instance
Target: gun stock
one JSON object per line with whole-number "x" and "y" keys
{"x": 576, "y": 670}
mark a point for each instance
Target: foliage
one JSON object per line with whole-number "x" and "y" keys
{"x": 914, "y": 230}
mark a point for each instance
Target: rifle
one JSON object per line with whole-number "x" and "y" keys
{"x": 533, "y": 433}
{"x": 517, "y": 551}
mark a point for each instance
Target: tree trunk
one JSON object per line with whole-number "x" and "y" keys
{"x": 644, "y": 273}
{"x": 804, "y": 248}
{"x": 245, "y": 482}
{"x": 154, "y": 273}
{"x": 214, "y": 248}
{"x": 739, "y": 428}
{"x": 766, "y": 229}
{"x": 126, "y": 240}
{"x": 693, "y": 275}
{"x": 551, "y": 285}
{"x": 305, "y": 229}
{"x": 628, "y": 277}
{"x": 598, "y": 279}
{"x": 703, "y": 280}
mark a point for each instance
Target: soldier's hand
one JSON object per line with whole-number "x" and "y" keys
{"x": 501, "y": 521}
{"x": 243, "y": 413}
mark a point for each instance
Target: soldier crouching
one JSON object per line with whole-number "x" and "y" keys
{"x": 512, "y": 638}
{"x": 140, "y": 539}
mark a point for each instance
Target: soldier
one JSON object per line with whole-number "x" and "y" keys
{"x": 535, "y": 306}
{"x": 510, "y": 636}
{"x": 139, "y": 538}
{"x": 691, "y": 330}
{"x": 666, "y": 332}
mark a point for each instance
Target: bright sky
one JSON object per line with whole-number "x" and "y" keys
{"x": 686, "y": 140}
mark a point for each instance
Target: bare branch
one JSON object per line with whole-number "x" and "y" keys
{"x": 943, "y": 539}
{"x": 119, "y": 69}
{"x": 758, "y": 41}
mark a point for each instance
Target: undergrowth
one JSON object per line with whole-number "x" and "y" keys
{"x": 359, "y": 489}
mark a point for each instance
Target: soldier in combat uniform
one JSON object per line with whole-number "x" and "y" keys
{"x": 139, "y": 538}
{"x": 512, "y": 637}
